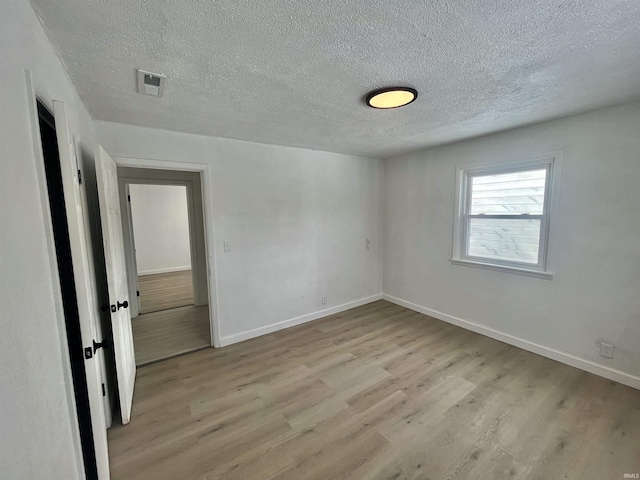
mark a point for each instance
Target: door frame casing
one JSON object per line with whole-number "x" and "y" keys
{"x": 35, "y": 91}
{"x": 84, "y": 287}
{"x": 207, "y": 208}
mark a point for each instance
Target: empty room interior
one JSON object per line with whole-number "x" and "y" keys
{"x": 320, "y": 240}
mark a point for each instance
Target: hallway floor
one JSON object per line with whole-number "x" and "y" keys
{"x": 168, "y": 333}
{"x": 163, "y": 291}
{"x": 169, "y": 323}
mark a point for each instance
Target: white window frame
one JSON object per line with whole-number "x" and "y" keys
{"x": 549, "y": 161}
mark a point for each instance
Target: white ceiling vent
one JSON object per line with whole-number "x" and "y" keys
{"x": 151, "y": 83}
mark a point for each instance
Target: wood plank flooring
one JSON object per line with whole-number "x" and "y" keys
{"x": 163, "y": 291}
{"x": 377, "y": 392}
{"x": 168, "y": 333}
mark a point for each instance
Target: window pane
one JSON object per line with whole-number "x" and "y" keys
{"x": 508, "y": 193}
{"x": 512, "y": 240}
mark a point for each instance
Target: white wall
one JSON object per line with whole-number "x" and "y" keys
{"x": 296, "y": 220}
{"x": 38, "y": 437}
{"x": 161, "y": 228}
{"x": 594, "y": 252}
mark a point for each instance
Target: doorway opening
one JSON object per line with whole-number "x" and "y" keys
{"x": 59, "y": 221}
{"x": 164, "y": 234}
{"x": 160, "y": 218}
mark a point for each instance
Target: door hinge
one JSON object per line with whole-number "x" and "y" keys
{"x": 137, "y": 293}
{"x": 104, "y": 391}
{"x": 79, "y": 176}
{"x": 129, "y": 198}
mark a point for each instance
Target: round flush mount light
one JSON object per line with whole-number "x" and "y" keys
{"x": 391, "y": 97}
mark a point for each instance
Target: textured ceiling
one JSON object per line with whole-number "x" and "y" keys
{"x": 295, "y": 72}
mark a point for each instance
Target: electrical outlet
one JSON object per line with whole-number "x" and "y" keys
{"x": 606, "y": 350}
{"x": 324, "y": 300}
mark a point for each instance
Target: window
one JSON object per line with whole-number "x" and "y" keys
{"x": 503, "y": 216}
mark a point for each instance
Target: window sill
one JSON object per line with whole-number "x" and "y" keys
{"x": 502, "y": 268}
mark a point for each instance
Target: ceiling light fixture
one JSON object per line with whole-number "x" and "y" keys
{"x": 391, "y": 97}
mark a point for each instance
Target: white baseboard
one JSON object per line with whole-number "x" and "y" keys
{"x": 586, "y": 365}
{"x": 164, "y": 270}
{"x": 256, "y": 332}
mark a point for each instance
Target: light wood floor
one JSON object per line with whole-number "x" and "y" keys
{"x": 378, "y": 392}
{"x": 163, "y": 291}
{"x": 168, "y": 333}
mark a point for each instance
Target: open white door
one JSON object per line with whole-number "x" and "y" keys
{"x": 84, "y": 290}
{"x": 107, "y": 178}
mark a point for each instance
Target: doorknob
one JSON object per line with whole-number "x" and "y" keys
{"x": 115, "y": 308}
{"x": 104, "y": 344}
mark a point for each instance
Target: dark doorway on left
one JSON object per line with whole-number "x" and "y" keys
{"x": 67, "y": 285}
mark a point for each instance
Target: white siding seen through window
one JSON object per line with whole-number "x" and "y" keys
{"x": 495, "y": 197}
{"x": 503, "y": 215}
